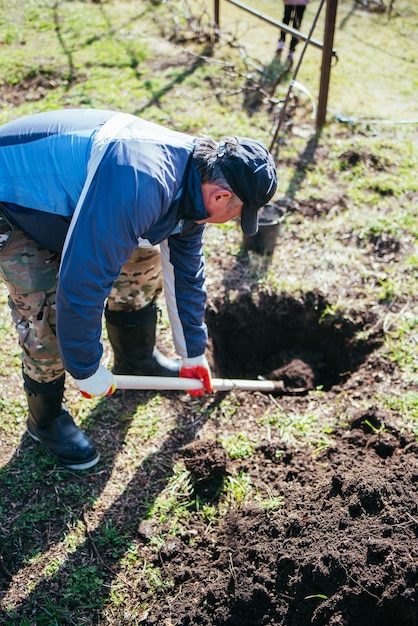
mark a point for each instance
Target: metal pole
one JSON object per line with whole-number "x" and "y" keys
{"x": 330, "y": 17}
{"x": 217, "y": 15}
{"x": 289, "y": 91}
{"x": 124, "y": 381}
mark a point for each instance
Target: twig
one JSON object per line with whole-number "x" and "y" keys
{"x": 232, "y": 569}
{"x": 97, "y": 553}
{"x": 414, "y": 519}
{"x": 4, "y": 569}
{"x": 356, "y": 582}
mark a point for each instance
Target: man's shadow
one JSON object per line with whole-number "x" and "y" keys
{"x": 31, "y": 486}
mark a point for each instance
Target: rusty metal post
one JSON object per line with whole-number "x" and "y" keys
{"x": 330, "y": 18}
{"x": 216, "y": 14}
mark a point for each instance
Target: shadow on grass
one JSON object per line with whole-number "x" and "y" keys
{"x": 133, "y": 58}
{"x": 261, "y": 85}
{"x": 42, "y": 573}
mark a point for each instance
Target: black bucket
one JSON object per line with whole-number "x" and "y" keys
{"x": 270, "y": 219}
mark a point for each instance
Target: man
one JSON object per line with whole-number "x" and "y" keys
{"x": 86, "y": 196}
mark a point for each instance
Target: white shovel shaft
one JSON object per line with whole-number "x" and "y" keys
{"x": 190, "y": 384}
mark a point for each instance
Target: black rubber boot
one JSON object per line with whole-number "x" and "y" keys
{"x": 51, "y": 424}
{"x": 132, "y": 337}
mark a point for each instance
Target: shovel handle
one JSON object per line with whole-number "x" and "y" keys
{"x": 186, "y": 384}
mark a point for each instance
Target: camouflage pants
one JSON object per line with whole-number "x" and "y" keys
{"x": 30, "y": 273}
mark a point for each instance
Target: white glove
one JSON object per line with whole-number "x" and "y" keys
{"x": 197, "y": 367}
{"x": 102, "y": 383}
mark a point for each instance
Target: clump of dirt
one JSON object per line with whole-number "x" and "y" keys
{"x": 205, "y": 459}
{"x": 207, "y": 463}
{"x": 297, "y": 375}
{"x": 32, "y": 87}
{"x": 317, "y": 208}
{"x": 384, "y": 246}
{"x": 352, "y": 158}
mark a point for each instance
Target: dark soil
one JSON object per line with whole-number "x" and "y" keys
{"x": 342, "y": 550}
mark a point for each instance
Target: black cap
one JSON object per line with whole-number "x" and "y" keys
{"x": 249, "y": 170}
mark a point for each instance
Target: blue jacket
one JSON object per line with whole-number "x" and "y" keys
{"x": 93, "y": 185}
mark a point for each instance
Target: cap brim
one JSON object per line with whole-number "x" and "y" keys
{"x": 249, "y": 220}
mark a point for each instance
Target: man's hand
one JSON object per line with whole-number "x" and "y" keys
{"x": 102, "y": 383}
{"x": 197, "y": 367}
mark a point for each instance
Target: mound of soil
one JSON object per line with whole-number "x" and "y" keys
{"x": 341, "y": 549}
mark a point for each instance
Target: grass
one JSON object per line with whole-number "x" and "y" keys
{"x": 407, "y": 405}
{"x": 348, "y": 189}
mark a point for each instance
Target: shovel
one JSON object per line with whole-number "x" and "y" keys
{"x": 191, "y": 384}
